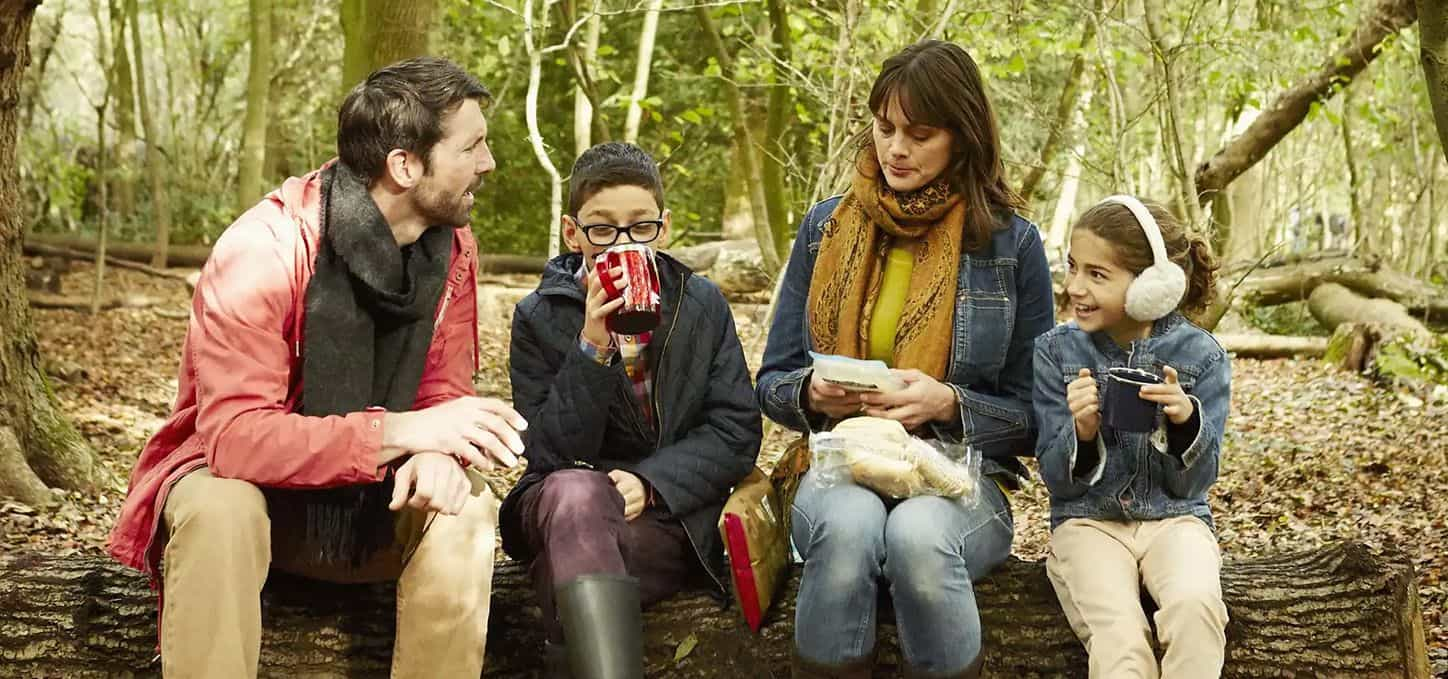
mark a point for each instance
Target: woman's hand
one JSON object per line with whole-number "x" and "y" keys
{"x": 831, "y": 400}
{"x": 924, "y": 399}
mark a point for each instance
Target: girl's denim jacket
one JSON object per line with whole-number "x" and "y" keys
{"x": 1003, "y": 300}
{"x": 1128, "y": 476}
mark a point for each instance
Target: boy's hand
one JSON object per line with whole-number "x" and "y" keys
{"x": 1176, "y": 405}
{"x": 632, "y": 490}
{"x": 1085, "y": 404}
{"x": 832, "y": 400}
{"x": 597, "y": 307}
{"x": 431, "y": 482}
{"x": 923, "y": 399}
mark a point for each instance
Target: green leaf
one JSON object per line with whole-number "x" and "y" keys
{"x": 685, "y": 647}
{"x": 505, "y": 45}
{"x": 692, "y": 117}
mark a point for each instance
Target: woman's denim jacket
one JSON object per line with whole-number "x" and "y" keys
{"x": 1128, "y": 476}
{"x": 1003, "y": 300}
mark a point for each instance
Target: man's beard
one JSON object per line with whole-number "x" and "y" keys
{"x": 438, "y": 208}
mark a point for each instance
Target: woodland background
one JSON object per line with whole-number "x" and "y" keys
{"x": 1306, "y": 139}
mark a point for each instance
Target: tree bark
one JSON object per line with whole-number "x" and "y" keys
{"x": 1339, "y": 610}
{"x": 1272, "y": 346}
{"x": 1433, "y": 53}
{"x": 642, "y": 66}
{"x": 402, "y": 30}
{"x": 1332, "y": 304}
{"x": 1065, "y": 106}
{"x": 780, "y": 106}
{"x": 253, "y": 130}
{"x": 1165, "y": 58}
{"x": 1386, "y": 18}
{"x": 51, "y": 447}
{"x": 358, "y": 36}
{"x": 123, "y": 181}
{"x": 533, "y": 28}
{"x": 1294, "y": 280}
{"x": 156, "y": 169}
{"x": 739, "y": 116}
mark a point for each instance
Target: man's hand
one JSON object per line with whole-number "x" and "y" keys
{"x": 832, "y": 400}
{"x": 924, "y": 399}
{"x": 431, "y": 482}
{"x": 1177, "y": 407}
{"x": 1083, "y": 399}
{"x": 597, "y": 308}
{"x": 632, "y": 490}
{"x": 479, "y": 430}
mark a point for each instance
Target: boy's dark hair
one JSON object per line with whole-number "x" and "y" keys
{"x": 938, "y": 84}
{"x": 612, "y": 164}
{"x": 1114, "y": 223}
{"x": 401, "y": 107}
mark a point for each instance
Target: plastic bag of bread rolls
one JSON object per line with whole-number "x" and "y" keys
{"x": 879, "y": 454}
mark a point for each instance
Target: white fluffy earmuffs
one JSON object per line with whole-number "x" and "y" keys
{"x": 1160, "y": 288}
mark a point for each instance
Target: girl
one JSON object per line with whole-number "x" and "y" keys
{"x": 1127, "y": 507}
{"x": 923, "y": 264}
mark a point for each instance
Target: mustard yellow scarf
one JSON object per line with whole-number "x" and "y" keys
{"x": 847, "y": 273}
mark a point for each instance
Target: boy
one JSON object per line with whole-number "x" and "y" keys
{"x": 634, "y": 442}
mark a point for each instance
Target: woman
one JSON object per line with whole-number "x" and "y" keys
{"x": 923, "y": 264}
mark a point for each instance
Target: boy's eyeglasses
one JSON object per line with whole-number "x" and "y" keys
{"x": 646, "y": 231}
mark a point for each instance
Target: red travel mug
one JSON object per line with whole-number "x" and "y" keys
{"x": 640, "y": 291}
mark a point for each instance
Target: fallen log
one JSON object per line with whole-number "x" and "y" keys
{"x": 1339, "y": 610}
{"x": 192, "y": 256}
{"x": 43, "y": 250}
{"x": 1333, "y": 304}
{"x": 1294, "y": 280}
{"x": 1273, "y": 346}
{"x": 45, "y": 300}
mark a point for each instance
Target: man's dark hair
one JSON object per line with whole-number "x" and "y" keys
{"x": 612, "y": 164}
{"x": 401, "y": 107}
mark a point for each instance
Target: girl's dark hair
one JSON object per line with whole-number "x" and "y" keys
{"x": 938, "y": 84}
{"x": 1115, "y": 224}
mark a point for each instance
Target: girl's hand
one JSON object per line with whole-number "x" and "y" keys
{"x": 924, "y": 399}
{"x": 1175, "y": 404}
{"x": 1084, "y": 400}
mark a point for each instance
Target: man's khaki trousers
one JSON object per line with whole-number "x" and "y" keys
{"x": 221, "y": 542}
{"x": 1097, "y": 568}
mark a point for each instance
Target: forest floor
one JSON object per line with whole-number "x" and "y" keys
{"x": 1312, "y": 454}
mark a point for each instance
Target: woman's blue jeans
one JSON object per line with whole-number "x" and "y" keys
{"x": 927, "y": 549}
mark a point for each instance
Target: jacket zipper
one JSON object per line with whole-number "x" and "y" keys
{"x": 659, "y": 419}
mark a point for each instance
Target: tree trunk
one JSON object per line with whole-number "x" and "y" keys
{"x": 533, "y": 28}
{"x": 122, "y": 86}
{"x": 156, "y": 166}
{"x": 402, "y": 30}
{"x": 253, "y": 129}
{"x": 29, "y": 413}
{"x": 642, "y": 67}
{"x": 1065, "y": 106}
{"x": 1339, "y": 610}
{"x": 739, "y": 116}
{"x": 1387, "y": 18}
{"x": 1433, "y": 53}
{"x": 781, "y": 105}
{"x": 586, "y": 61}
{"x": 1165, "y": 58}
{"x": 358, "y": 35}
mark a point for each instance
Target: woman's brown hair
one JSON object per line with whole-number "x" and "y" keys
{"x": 938, "y": 84}
{"x": 1114, "y": 223}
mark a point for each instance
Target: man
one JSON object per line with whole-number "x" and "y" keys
{"x": 326, "y": 423}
